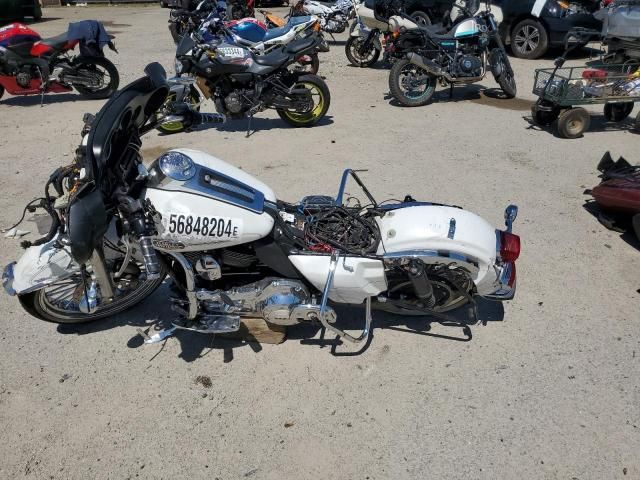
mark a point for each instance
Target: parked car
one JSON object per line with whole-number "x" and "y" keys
{"x": 12, "y": 10}
{"x": 532, "y": 26}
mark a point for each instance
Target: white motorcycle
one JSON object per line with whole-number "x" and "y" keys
{"x": 334, "y": 17}
{"x": 232, "y": 248}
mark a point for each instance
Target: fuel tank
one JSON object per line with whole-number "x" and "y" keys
{"x": 205, "y": 203}
{"x": 466, "y": 29}
{"x": 249, "y": 29}
{"x": 440, "y": 234}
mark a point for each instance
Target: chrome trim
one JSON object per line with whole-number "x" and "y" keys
{"x": 510, "y": 214}
{"x": 325, "y": 317}
{"x": 7, "y": 279}
{"x": 504, "y": 290}
{"x": 181, "y": 81}
{"x": 191, "y": 283}
{"x": 102, "y": 276}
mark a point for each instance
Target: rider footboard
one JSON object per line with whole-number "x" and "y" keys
{"x": 584, "y": 85}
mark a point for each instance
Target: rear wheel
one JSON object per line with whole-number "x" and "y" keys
{"x": 616, "y": 112}
{"x": 317, "y": 107}
{"x": 411, "y": 85}
{"x": 573, "y": 122}
{"x": 60, "y": 301}
{"x": 100, "y": 73}
{"x": 359, "y": 58}
{"x": 529, "y": 39}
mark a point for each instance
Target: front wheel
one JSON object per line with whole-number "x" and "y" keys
{"x": 60, "y": 301}
{"x": 421, "y": 18}
{"x": 312, "y": 108}
{"x": 503, "y": 72}
{"x": 193, "y": 100}
{"x": 100, "y": 77}
{"x": 359, "y": 57}
{"x": 411, "y": 85}
{"x": 544, "y": 114}
{"x": 573, "y": 122}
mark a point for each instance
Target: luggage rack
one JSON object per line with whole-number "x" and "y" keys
{"x": 563, "y": 91}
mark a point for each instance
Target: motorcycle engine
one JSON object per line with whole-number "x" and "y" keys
{"x": 23, "y": 78}
{"x": 234, "y": 102}
{"x": 469, "y": 66}
{"x": 337, "y": 24}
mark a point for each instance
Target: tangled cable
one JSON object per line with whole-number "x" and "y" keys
{"x": 343, "y": 229}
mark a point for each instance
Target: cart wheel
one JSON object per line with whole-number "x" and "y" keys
{"x": 544, "y": 118}
{"x": 573, "y": 122}
{"x": 616, "y": 112}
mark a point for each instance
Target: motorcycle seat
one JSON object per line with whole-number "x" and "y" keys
{"x": 273, "y": 59}
{"x": 300, "y": 45}
{"x": 56, "y": 42}
{"x": 438, "y": 36}
{"x": 276, "y": 32}
{"x": 435, "y": 29}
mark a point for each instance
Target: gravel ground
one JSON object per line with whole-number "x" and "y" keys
{"x": 549, "y": 388}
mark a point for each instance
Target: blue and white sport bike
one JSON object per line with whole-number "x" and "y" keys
{"x": 461, "y": 55}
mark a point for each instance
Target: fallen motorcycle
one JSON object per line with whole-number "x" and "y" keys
{"x": 618, "y": 194}
{"x": 232, "y": 248}
{"x": 31, "y": 65}
{"x": 334, "y": 18}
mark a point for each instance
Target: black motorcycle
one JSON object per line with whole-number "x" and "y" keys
{"x": 462, "y": 55}
{"x": 242, "y": 84}
{"x": 184, "y": 21}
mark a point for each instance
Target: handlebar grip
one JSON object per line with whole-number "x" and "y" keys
{"x": 151, "y": 262}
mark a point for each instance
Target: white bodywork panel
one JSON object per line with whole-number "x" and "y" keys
{"x": 368, "y": 18}
{"x": 426, "y": 228}
{"x": 246, "y": 226}
{"x": 396, "y": 22}
{"x": 221, "y": 166}
{"x": 41, "y": 266}
{"x": 355, "y": 278}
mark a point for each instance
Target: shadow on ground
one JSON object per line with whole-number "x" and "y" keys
{"x": 154, "y": 314}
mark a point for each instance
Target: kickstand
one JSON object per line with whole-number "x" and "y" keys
{"x": 249, "y": 126}
{"x": 332, "y": 37}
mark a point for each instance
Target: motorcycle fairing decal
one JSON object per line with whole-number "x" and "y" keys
{"x": 232, "y": 52}
{"x": 226, "y": 189}
{"x": 211, "y": 228}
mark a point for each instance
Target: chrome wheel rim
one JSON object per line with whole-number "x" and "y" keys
{"x": 411, "y": 79}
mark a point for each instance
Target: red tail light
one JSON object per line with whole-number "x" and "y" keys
{"x": 509, "y": 247}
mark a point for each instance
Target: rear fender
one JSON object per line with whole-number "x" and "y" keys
{"x": 38, "y": 267}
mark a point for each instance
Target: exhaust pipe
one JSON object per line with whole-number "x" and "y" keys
{"x": 429, "y": 65}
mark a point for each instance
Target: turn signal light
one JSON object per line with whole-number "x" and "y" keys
{"x": 316, "y": 27}
{"x": 396, "y": 34}
{"x": 509, "y": 247}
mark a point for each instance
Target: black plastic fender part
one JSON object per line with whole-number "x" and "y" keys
{"x": 87, "y": 225}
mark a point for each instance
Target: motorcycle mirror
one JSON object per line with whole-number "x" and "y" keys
{"x": 510, "y": 214}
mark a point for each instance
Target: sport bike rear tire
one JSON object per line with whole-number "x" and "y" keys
{"x": 307, "y": 63}
{"x": 38, "y": 304}
{"x": 321, "y": 97}
{"x": 107, "y": 90}
{"x": 351, "y": 49}
{"x": 396, "y": 84}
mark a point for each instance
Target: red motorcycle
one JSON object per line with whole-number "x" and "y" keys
{"x": 31, "y": 65}
{"x": 618, "y": 195}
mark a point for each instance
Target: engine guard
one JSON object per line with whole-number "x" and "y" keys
{"x": 38, "y": 267}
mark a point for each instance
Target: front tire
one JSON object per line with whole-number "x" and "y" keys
{"x": 503, "y": 72}
{"x": 616, "y": 112}
{"x": 405, "y": 79}
{"x": 102, "y": 69}
{"x": 573, "y": 122}
{"x": 529, "y": 39}
{"x": 193, "y": 99}
{"x": 40, "y": 305}
{"x": 321, "y": 100}
{"x": 352, "y": 50}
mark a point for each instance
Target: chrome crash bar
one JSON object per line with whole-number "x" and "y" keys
{"x": 335, "y": 257}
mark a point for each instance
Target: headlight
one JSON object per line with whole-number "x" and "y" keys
{"x": 177, "y": 165}
{"x": 179, "y": 67}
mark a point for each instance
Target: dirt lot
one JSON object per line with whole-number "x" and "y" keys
{"x": 549, "y": 388}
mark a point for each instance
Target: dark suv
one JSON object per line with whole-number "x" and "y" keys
{"x": 11, "y": 10}
{"x": 532, "y": 26}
